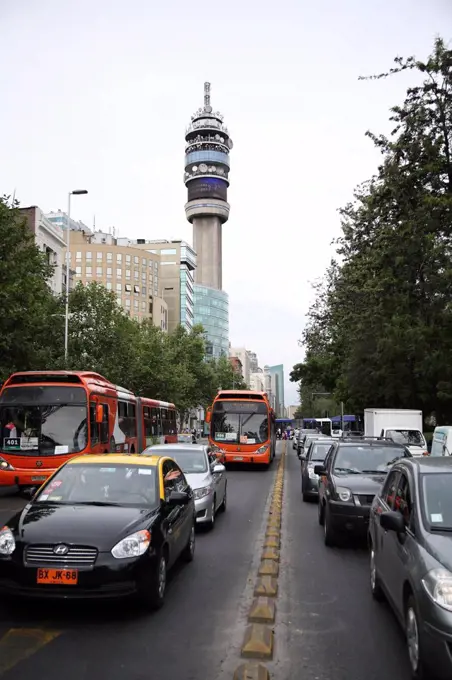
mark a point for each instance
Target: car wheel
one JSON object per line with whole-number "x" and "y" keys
{"x": 152, "y": 592}
{"x": 329, "y": 533}
{"x": 375, "y": 586}
{"x": 414, "y": 645}
{"x": 212, "y": 510}
{"x": 225, "y": 499}
{"x": 321, "y": 510}
{"x": 189, "y": 550}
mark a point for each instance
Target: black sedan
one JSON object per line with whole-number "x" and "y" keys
{"x": 100, "y": 527}
{"x": 350, "y": 477}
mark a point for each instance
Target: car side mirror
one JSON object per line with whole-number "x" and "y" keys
{"x": 218, "y": 469}
{"x": 178, "y": 498}
{"x": 393, "y": 521}
{"x": 319, "y": 470}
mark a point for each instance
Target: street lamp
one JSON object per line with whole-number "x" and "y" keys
{"x": 77, "y": 192}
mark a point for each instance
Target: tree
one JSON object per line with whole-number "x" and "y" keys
{"x": 28, "y": 306}
{"x": 383, "y": 337}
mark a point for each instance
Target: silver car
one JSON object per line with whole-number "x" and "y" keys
{"x": 205, "y": 475}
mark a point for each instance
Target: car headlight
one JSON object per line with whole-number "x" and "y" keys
{"x": 343, "y": 493}
{"x": 132, "y": 546}
{"x": 202, "y": 492}
{"x": 438, "y": 584}
{"x": 311, "y": 473}
{"x": 4, "y": 465}
{"x": 262, "y": 449}
{"x": 7, "y": 542}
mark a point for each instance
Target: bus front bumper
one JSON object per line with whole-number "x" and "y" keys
{"x": 21, "y": 477}
{"x": 247, "y": 457}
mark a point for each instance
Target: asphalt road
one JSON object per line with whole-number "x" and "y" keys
{"x": 187, "y": 639}
{"x": 327, "y": 623}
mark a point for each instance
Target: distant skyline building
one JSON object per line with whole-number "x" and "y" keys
{"x": 207, "y": 179}
{"x": 277, "y": 373}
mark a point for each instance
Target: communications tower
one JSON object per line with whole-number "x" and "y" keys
{"x": 207, "y": 179}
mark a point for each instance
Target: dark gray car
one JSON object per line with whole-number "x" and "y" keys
{"x": 410, "y": 536}
{"x": 315, "y": 455}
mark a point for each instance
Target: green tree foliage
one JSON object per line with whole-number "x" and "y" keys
{"x": 28, "y": 307}
{"x": 380, "y": 330}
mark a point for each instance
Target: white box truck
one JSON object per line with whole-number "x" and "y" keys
{"x": 403, "y": 426}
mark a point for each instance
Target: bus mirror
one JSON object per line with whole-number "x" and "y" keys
{"x": 99, "y": 414}
{"x": 208, "y": 415}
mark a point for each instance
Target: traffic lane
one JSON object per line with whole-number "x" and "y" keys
{"x": 330, "y": 625}
{"x": 188, "y": 638}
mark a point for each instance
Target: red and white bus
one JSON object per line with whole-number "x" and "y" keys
{"x": 47, "y": 417}
{"x": 242, "y": 427}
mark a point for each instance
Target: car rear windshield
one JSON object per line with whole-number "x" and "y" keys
{"x": 366, "y": 459}
{"x": 437, "y": 500}
{"x": 319, "y": 451}
{"x": 190, "y": 462}
{"x": 105, "y": 484}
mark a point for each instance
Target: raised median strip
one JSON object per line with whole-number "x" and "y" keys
{"x": 258, "y": 642}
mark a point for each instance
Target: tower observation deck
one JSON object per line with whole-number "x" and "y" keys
{"x": 207, "y": 179}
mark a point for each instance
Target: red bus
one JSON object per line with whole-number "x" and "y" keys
{"x": 242, "y": 427}
{"x": 47, "y": 417}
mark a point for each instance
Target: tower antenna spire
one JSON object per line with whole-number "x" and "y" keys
{"x": 206, "y": 95}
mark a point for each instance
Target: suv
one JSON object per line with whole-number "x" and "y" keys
{"x": 350, "y": 477}
{"x": 305, "y": 443}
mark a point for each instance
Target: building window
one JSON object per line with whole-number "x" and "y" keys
{"x": 78, "y": 271}
{"x": 109, "y": 257}
{"x": 135, "y": 304}
{"x": 108, "y": 285}
{"x": 109, "y": 272}
{"x": 128, "y": 259}
{"x": 128, "y": 288}
{"x": 143, "y": 290}
{"x": 136, "y": 289}
{"x": 143, "y": 276}
{"x": 144, "y": 262}
{"x": 151, "y": 278}
{"x": 89, "y": 255}
{"x": 136, "y": 274}
{"x": 98, "y": 271}
{"x": 119, "y": 273}
{"x": 128, "y": 303}
{"x": 168, "y": 251}
{"x": 118, "y": 287}
{"x": 156, "y": 266}
{"x": 128, "y": 272}
{"x": 88, "y": 271}
{"x": 118, "y": 257}
{"x": 136, "y": 260}
{"x": 99, "y": 257}
{"x": 143, "y": 305}
{"x": 78, "y": 256}
{"x": 119, "y": 301}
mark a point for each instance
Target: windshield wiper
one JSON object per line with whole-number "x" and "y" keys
{"x": 351, "y": 471}
{"x": 448, "y": 529}
{"x": 97, "y": 503}
{"x": 375, "y": 472}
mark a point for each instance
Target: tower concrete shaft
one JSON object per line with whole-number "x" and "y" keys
{"x": 207, "y": 179}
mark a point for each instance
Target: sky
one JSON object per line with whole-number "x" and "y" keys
{"x": 96, "y": 95}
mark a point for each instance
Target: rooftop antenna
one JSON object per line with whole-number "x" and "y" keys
{"x": 14, "y": 197}
{"x": 94, "y": 223}
{"x": 207, "y": 97}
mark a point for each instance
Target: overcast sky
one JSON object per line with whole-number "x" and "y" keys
{"x": 96, "y": 94}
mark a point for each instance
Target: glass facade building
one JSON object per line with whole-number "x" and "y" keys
{"x": 212, "y": 312}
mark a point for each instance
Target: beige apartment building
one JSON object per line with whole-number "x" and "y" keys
{"x": 133, "y": 275}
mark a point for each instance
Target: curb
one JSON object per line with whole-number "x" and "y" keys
{"x": 258, "y": 642}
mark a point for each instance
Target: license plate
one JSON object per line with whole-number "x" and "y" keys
{"x": 42, "y": 478}
{"x": 60, "y": 577}
{"x": 238, "y": 458}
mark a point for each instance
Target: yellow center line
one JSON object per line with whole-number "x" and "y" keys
{"x": 19, "y": 644}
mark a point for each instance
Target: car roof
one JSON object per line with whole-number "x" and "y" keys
{"x": 118, "y": 459}
{"x": 372, "y": 442}
{"x": 326, "y": 440}
{"x": 429, "y": 464}
{"x": 179, "y": 446}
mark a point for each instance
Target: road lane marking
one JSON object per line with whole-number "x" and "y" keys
{"x": 19, "y": 644}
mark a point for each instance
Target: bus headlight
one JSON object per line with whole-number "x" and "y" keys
{"x": 262, "y": 449}
{"x": 4, "y": 465}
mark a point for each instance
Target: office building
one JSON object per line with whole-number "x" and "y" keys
{"x": 177, "y": 269}
{"x": 242, "y": 354}
{"x": 236, "y": 365}
{"x": 207, "y": 179}
{"x": 50, "y": 239}
{"x": 277, "y": 373}
{"x": 253, "y": 361}
{"x": 133, "y": 275}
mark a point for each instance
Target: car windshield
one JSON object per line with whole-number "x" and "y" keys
{"x": 106, "y": 484}
{"x": 319, "y": 451}
{"x": 190, "y": 462}
{"x": 369, "y": 459}
{"x": 406, "y": 437}
{"x": 184, "y": 438}
{"x": 43, "y": 420}
{"x": 437, "y": 500}
{"x": 240, "y": 422}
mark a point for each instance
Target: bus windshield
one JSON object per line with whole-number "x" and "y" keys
{"x": 43, "y": 420}
{"x": 240, "y": 422}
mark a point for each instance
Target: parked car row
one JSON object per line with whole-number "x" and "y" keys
{"x": 402, "y": 505}
{"x": 112, "y": 525}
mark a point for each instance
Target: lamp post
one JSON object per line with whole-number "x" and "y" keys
{"x": 76, "y": 192}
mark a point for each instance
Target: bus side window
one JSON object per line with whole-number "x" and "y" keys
{"x": 165, "y": 422}
{"x": 131, "y": 420}
{"x": 93, "y": 426}
{"x": 156, "y": 427}
{"x": 104, "y": 426}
